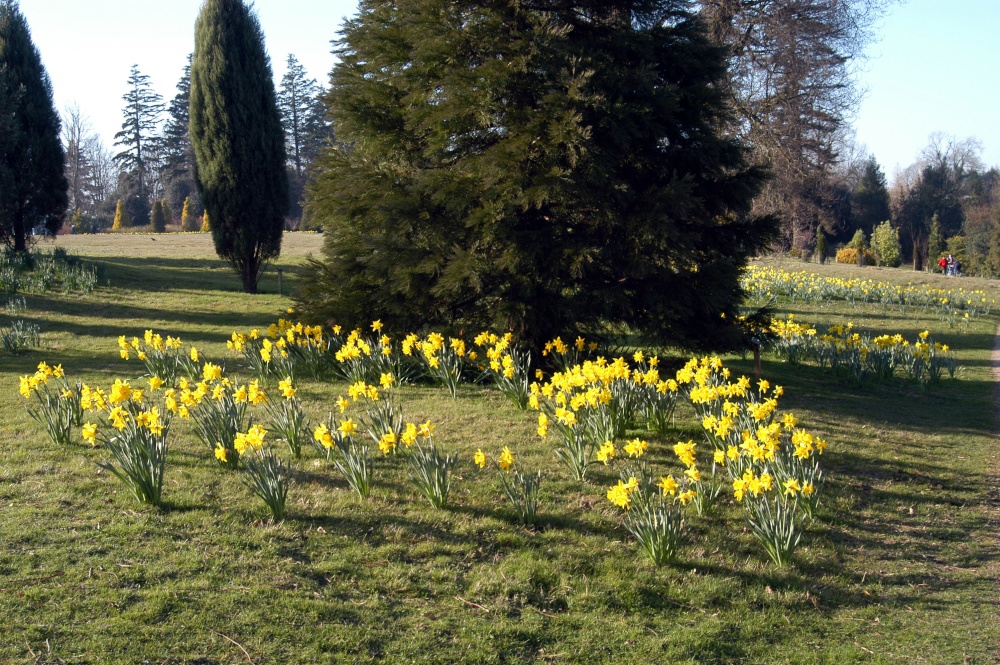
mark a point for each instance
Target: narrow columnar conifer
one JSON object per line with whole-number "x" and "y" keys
{"x": 168, "y": 214}
{"x": 156, "y": 219}
{"x": 121, "y": 217}
{"x": 32, "y": 172}
{"x": 237, "y": 138}
{"x": 206, "y": 226}
{"x": 188, "y": 221}
{"x": 533, "y": 167}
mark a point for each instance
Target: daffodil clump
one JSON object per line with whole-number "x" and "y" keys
{"x": 519, "y": 486}
{"x": 762, "y": 284}
{"x": 429, "y": 467}
{"x": 165, "y": 358}
{"x": 265, "y": 356}
{"x": 507, "y": 365}
{"x": 286, "y": 418}
{"x": 219, "y": 410}
{"x": 57, "y": 403}
{"x": 364, "y": 358}
{"x": 858, "y": 356}
{"x": 132, "y": 425}
{"x": 771, "y": 463}
{"x": 652, "y": 510}
{"x": 443, "y": 361}
{"x": 264, "y": 473}
{"x": 351, "y": 457}
{"x": 597, "y": 401}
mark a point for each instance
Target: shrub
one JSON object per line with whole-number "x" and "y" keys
{"x": 850, "y": 255}
{"x": 885, "y": 244}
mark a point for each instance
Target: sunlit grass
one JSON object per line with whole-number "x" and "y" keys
{"x": 901, "y": 563}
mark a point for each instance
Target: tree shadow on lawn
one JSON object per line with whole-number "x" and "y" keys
{"x": 159, "y": 274}
{"x": 111, "y": 313}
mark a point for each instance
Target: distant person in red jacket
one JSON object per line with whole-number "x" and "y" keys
{"x": 943, "y": 265}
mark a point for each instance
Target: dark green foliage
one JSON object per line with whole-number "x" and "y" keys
{"x": 156, "y": 218}
{"x": 32, "y": 176}
{"x": 178, "y": 156}
{"x": 870, "y": 200}
{"x": 821, "y": 246}
{"x": 302, "y": 116}
{"x": 533, "y": 168}
{"x": 237, "y": 138}
{"x": 935, "y": 241}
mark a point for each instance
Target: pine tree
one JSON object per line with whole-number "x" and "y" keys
{"x": 143, "y": 107}
{"x": 206, "y": 226}
{"x": 178, "y": 156}
{"x": 296, "y": 97}
{"x": 32, "y": 169}
{"x": 533, "y": 167}
{"x": 237, "y": 138}
{"x": 870, "y": 200}
{"x": 121, "y": 217}
{"x": 188, "y": 221}
{"x": 156, "y": 219}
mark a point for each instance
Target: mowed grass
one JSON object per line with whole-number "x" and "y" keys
{"x": 901, "y": 564}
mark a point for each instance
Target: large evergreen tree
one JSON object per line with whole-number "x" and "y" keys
{"x": 301, "y": 112}
{"x": 139, "y": 141}
{"x": 533, "y": 167}
{"x": 237, "y": 138}
{"x": 870, "y": 200}
{"x": 32, "y": 175}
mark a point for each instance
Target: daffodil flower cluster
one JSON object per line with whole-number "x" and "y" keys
{"x": 507, "y": 365}
{"x": 286, "y": 418}
{"x": 519, "y": 486}
{"x": 443, "y": 361}
{"x": 428, "y": 466}
{"x": 651, "y": 510}
{"x": 596, "y": 402}
{"x": 164, "y": 358}
{"x": 134, "y": 431}
{"x": 858, "y": 355}
{"x": 219, "y": 410}
{"x": 57, "y": 403}
{"x": 771, "y": 463}
{"x": 762, "y": 284}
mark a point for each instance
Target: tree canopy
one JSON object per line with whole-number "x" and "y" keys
{"x": 533, "y": 167}
{"x": 32, "y": 171}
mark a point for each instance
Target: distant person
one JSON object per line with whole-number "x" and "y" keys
{"x": 951, "y": 266}
{"x": 958, "y": 268}
{"x": 943, "y": 265}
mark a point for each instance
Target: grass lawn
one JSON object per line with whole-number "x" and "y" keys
{"x": 900, "y": 565}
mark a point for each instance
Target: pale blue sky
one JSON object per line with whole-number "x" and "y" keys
{"x": 934, "y": 68}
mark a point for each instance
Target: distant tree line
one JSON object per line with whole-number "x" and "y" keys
{"x": 152, "y": 164}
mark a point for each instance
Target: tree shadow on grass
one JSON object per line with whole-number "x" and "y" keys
{"x": 159, "y": 274}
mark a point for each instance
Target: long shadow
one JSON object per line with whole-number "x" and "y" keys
{"x": 158, "y": 274}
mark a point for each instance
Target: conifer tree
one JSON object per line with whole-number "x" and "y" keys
{"x": 821, "y": 247}
{"x": 533, "y": 167}
{"x": 121, "y": 217}
{"x": 206, "y": 226}
{"x": 138, "y": 139}
{"x": 168, "y": 214}
{"x": 237, "y": 138}
{"x": 188, "y": 221}
{"x": 32, "y": 170}
{"x": 935, "y": 243}
{"x": 156, "y": 219}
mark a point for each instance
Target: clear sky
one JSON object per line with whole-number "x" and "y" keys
{"x": 932, "y": 70}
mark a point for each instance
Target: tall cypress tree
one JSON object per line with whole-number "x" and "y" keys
{"x": 32, "y": 171}
{"x": 238, "y": 142}
{"x": 533, "y": 167}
